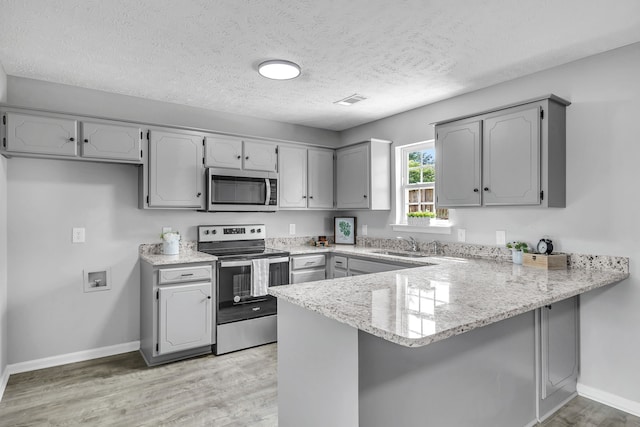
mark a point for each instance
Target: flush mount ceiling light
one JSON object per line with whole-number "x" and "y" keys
{"x": 279, "y": 69}
{"x": 350, "y": 100}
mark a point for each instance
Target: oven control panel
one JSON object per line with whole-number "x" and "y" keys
{"x": 225, "y": 233}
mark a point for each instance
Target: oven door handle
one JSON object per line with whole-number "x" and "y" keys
{"x": 247, "y": 263}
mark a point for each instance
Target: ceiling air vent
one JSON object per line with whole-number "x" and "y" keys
{"x": 350, "y": 100}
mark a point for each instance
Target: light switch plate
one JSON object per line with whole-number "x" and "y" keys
{"x": 292, "y": 229}
{"x": 462, "y": 235}
{"x": 501, "y": 237}
{"x": 78, "y": 235}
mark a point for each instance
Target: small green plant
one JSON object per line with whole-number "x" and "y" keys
{"x": 426, "y": 214}
{"x": 169, "y": 234}
{"x": 518, "y": 246}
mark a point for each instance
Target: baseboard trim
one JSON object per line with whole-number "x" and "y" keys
{"x": 4, "y": 379}
{"x": 609, "y": 399}
{"x": 80, "y": 356}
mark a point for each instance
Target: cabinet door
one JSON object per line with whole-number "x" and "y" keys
{"x": 339, "y": 273}
{"x": 110, "y": 141}
{"x": 42, "y": 135}
{"x": 458, "y": 165}
{"x": 293, "y": 177}
{"x": 223, "y": 152}
{"x": 352, "y": 167}
{"x": 260, "y": 156}
{"x": 511, "y": 158}
{"x": 559, "y": 345}
{"x": 176, "y": 172}
{"x": 320, "y": 178}
{"x": 184, "y": 317}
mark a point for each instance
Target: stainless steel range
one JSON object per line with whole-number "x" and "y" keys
{"x": 245, "y": 315}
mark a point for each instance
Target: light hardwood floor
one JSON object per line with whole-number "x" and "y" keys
{"x": 237, "y": 389}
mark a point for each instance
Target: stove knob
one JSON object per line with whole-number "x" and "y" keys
{"x": 253, "y": 230}
{"x": 213, "y": 231}
{"x": 259, "y": 230}
{"x": 206, "y": 231}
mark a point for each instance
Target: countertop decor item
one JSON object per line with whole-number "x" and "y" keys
{"x": 344, "y": 228}
{"x": 420, "y": 219}
{"x": 546, "y": 261}
{"x": 517, "y": 249}
{"x": 170, "y": 243}
{"x": 544, "y": 246}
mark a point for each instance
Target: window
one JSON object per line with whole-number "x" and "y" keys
{"x": 418, "y": 181}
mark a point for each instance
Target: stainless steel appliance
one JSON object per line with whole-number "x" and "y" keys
{"x": 229, "y": 190}
{"x": 243, "y": 320}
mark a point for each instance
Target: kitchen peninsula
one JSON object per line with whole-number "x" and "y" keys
{"x": 456, "y": 342}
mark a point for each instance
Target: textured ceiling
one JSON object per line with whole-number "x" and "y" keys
{"x": 399, "y": 54}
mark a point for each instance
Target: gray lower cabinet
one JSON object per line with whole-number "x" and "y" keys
{"x": 307, "y": 268}
{"x": 343, "y": 266}
{"x": 176, "y": 311}
{"x": 176, "y": 170}
{"x": 511, "y": 156}
{"x": 557, "y": 346}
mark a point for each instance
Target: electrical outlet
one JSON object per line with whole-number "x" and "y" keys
{"x": 77, "y": 235}
{"x": 292, "y": 229}
{"x": 501, "y": 237}
{"x": 365, "y": 229}
{"x": 462, "y": 235}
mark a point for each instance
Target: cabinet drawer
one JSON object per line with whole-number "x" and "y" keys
{"x": 340, "y": 262}
{"x": 307, "y": 261}
{"x": 307, "y": 276}
{"x": 184, "y": 274}
{"x": 363, "y": 266}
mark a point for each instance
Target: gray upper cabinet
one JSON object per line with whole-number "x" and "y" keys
{"x": 352, "y": 169}
{"x": 236, "y": 153}
{"x": 111, "y": 141}
{"x": 306, "y": 178}
{"x": 223, "y": 152}
{"x": 511, "y": 158}
{"x": 176, "y": 170}
{"x": 260, "y": 156}
{"x": 293, "y": 177}
{"x": 35, "y": 134}
{"x": 320, "y": 178}
{"x": 458, "y": 172}
{"x": 64, "y": 136}
{"x": 515, "y": 155}
{"x": 363, "y": 176}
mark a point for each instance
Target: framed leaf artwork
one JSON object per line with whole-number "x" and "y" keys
{"x": 344, "y": 228}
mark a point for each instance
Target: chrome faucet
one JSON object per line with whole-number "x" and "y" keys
{"x": 434, "y": 246}
{"x": 413, "y": 244}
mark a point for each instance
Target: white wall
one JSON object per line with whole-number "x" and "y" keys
{"x": 603, "y": 202}
{"x": 3, "y": 245}
{"x": 48, "y": 312}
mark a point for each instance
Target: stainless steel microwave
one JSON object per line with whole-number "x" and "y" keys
{"x": 236, "y": 191}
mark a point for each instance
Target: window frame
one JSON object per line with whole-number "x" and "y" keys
{"x": 402, "y": 185}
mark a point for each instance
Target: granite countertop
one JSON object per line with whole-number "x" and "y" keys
{"x": 152, "y": 253}
{"x": 446, "y": 296}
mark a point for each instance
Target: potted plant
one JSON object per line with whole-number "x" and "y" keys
{"x": 420, "y": 219}
{"x": 517, "y": 249}
{"x": 170, "y": 243}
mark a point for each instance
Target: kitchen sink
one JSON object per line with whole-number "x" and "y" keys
{"x": 405, "y": 254}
